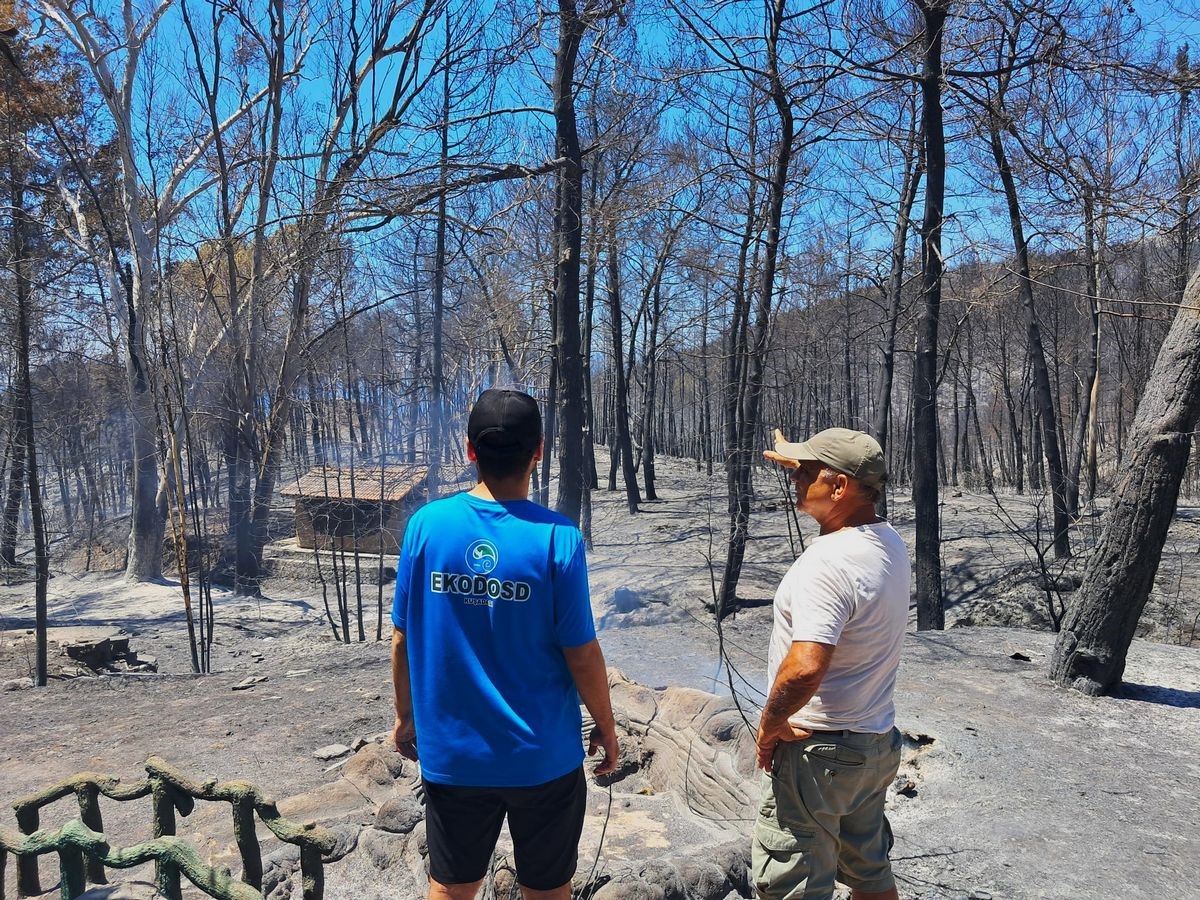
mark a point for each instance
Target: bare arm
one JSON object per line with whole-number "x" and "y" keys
{"x": 404, "y": 734}
{"x": 586, "y": 664}
{"x": 800, "y": 675}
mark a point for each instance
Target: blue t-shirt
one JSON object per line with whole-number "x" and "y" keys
{"x": 487, "y": 594}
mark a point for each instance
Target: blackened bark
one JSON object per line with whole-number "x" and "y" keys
{"x": 1099, "y": 625}
{"x": 437, "y": 403}
{"x": 741, "y": 453}
{"x": 735, "y": 386}
{"x": 623, "y": 445}
{"x": 148, "y": 520}
{"x": 930, "y": 614}
{"x": 15, "y": 490}
{"x": 23, "y": 420}
{"x": 914, "y": 169}
{"x": 1043, "y": 392}
{"x": 648, "y": 408}
{"x": 1085, "y": 433}
{"x": 573, "y": 479}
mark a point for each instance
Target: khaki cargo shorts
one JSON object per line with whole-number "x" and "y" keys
{"x": 821, "y": 817}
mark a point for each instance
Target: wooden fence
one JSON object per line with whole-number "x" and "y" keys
{"x": 84, "y": 851}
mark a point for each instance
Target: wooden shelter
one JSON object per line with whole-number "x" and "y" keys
{"x": 365, "y": 510}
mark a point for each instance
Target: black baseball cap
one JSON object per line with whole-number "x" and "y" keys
{"x": 504, "y": 421}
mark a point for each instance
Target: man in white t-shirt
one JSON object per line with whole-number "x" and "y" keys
{"x": 827, "y": 740}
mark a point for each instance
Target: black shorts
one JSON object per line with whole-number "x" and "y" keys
{"x": 546, "y": 820}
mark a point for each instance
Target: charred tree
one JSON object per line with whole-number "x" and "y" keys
{"x": 623, "y": 445}
{"x": 928, "y": 563}
{"x": 1099, "y": 626}
{"x": 573, "y": 477}
{"x": 914, "y": 169}
{"x": 1043, "y": 391}
{"x": 741, "y": 453}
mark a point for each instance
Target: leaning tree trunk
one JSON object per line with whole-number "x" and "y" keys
{"x": 1099, "y": 625}
{"x": 1043, "y": 391}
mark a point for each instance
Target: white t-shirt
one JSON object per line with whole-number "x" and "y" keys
{"x": 848, "y": 589}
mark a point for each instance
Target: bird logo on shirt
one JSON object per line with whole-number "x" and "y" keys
{"x": 482, "y": 557}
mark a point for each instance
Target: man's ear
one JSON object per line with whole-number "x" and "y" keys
{"x": 537, "y": 454}
{"x": 841, "y": 486}
{"x": 472, "y": 456}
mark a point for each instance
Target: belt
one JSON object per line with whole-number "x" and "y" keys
{"x": 842, "y": 732}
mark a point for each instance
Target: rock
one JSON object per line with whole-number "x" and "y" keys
{"x": 76, "y": 672}
{"x": 133, "y": 890}
{"x": 330, "y": 751}
{"x": 663, "y": 875}
{"x": 359, "y": 743}
{"x": 705, "y": 880}
{"x": 383, "y": 848}
{"x": 347, "y": 840}
{"x": 629, "y": 887}
{"x": 249, "y": 682}
{"x": 144, "y": 659}
{"x": 296, "y": 673}
{"x": 979, "y": 894}
{"x": 400, "y": 814}
{"x": 724, "y": 726}
{"x": 374, "y": 770}
{"x": 733, "y": 858}
{"x": 279, "y": 868}
{"x": 18, "y": 684}
{"x": 904, "y": 785}
{"x": 416, "y": 854}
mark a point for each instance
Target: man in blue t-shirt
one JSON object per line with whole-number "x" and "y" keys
{"x": 493, "y": 649}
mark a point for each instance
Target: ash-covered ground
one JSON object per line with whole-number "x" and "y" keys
{"x": 1013, "y": 788}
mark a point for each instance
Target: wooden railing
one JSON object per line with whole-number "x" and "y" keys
{"x": 84, "y": 851}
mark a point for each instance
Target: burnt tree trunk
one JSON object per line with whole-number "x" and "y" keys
{"x": 437, "y": 404}
{"x": 928, "y": 563}
{"x": 746, "y": 413}
{"x": 15, "y": 490}
{"x": 1086, "y": 425}
{"x": 649, "y": 406}
{"x": 1043, "y": 391}
{"x": 1099, "y": 625}
{"x": 913, "y": 171}
{"x": 573, "y": 479}
{"x": 23, "y": 404}
{"x": 622, "y": 443}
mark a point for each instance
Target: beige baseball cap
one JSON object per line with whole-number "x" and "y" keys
{"x": 854, "y": 453}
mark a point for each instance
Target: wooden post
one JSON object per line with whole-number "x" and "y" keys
{"x": 73, "y": 874}
{"x": 28, "y": 882}
{"x": 166, "y": 879}
{"x": 89, "y": 814}
{"x": 312, "y": 872}
{"x": 247, "y": 841}
{"x": 166, "y": 876}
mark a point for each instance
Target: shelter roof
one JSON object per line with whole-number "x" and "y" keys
{"x": 370, "y": 483}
